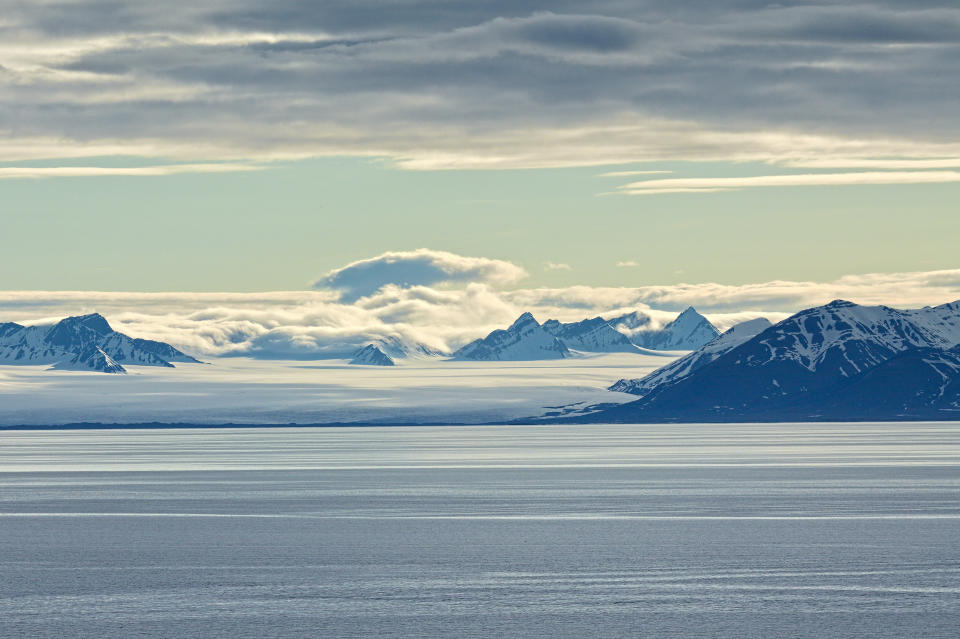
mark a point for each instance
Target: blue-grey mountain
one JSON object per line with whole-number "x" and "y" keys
{"x": 83, "y": 342}
{"x": 371, "y": 355}
{"x": 841, "y": 361}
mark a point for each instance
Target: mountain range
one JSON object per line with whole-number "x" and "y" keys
{"x": 841, "y": 361}
{"x": 527, "y": 339}
{"x": 83, "y": 342}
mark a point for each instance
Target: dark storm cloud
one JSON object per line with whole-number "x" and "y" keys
{"x": 424, "y": 79}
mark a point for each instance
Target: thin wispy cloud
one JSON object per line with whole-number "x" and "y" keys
{"x": 706, "y": 185}
{"x": 557, "y": 266}
{"x": 631, "y": 173}
{"x": 34, "y": 173}
{"x": 867, "y": 163}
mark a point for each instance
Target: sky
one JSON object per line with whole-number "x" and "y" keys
{"x": 244, "y": 146}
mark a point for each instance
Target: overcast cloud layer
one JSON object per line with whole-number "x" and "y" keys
{"x": 319, "y": 323}
{"x": 435, "y": 84}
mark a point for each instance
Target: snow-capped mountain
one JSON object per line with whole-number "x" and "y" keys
{"x": 591, "y": 335}
{"x": 820, "y": 363}
{"x": 371, "y": 355}
{"x": 398, "y": 348}
{"x": 526, "y": 339}
{"x": 83, "y": 342}
{"x": 696, "y": 360}
{"x": 689, "y": 331}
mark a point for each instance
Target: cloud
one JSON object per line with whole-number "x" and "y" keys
{"x": 557, "y": 266}
{"x": 878, "y": 163}
{"x": 707, "y": 185}
{"x": 631, "y": 173}
{"x": 628, "y": 264}
{"x": 499, "y": 84}
{"x": 422, "y": 267}
{"x": 22, "y": 172}
{"x": 318, "y": 324}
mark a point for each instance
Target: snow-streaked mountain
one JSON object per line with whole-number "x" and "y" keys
{"x": 371, "y": 355}
{"x": 92, "y": 358}
{"x": 691, "y": 362}
{"x": 591, "y": 335}
{"x": 819, "y": 364}
{"x": 526, "y": 339}
{"x": 83, "y": 342}
{"x": 689, "y": 331}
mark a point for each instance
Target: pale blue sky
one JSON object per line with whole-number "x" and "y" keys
{"x": 281, "y": 227}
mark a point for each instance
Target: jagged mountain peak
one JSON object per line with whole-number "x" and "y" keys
{"x": 526, "y": 319}
{"x": 93, "y": 321}
{"x": 838, "y": 303}
{"x": 688, "y": 331}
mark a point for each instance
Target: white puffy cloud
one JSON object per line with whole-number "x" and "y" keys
{"x": 422, "y": 267}
{"x": 317, "y": 324}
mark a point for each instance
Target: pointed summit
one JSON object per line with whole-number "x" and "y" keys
{"x": 79, "y": 331}
{"x": 689, "y": 331}
{"x": 526, "y": 319}
{"x": 371, "y": 355}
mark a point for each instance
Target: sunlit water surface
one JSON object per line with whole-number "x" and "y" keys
{"x": 787, "y": 530}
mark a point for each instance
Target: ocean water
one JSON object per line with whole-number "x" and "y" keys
{"x": 784, "y": 530}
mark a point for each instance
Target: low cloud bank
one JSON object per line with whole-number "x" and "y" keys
{"x": 319, "y": 324}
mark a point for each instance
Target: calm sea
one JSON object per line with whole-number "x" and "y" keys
{"x": 785, "y": 530}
